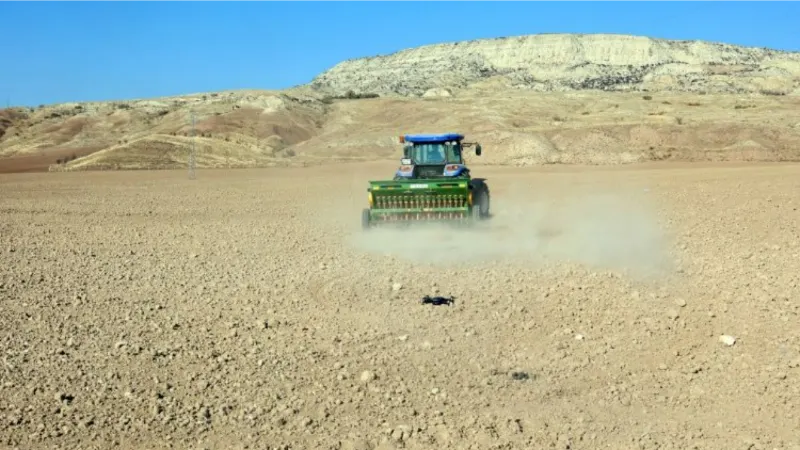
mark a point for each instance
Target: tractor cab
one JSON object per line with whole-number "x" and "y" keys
{"x": 434, "y": 156}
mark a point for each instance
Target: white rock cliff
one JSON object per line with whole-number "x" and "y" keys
{"x": 564, "y": 62}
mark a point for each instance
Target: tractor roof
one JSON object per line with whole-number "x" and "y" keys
{"x": 432, "y": 138}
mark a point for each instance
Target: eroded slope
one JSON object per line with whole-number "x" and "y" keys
{"x": 519, "y": 128}
{"x": 233, "y": 129}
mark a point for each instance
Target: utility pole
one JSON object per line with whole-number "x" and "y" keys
{"x": 192, "y": 154}
{"x": 255, "y": 133}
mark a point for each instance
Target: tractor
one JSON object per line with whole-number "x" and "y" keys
{"x": 432, "y": 184}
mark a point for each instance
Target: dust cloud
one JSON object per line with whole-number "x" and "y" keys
{"x": 603, "y": 230}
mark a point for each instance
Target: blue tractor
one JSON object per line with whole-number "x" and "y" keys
{"x": 432, "y": 184}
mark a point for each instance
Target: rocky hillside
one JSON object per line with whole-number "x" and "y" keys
{"x": 530, "y": 100}
{"x": 231, "y": 129}
{"x": 569, "y": 62}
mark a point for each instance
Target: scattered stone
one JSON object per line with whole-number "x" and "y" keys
{"x": 397, "y": 286}
{"x": 727, "y": 340}
{"x": 397, "y": 435}
{"x": 367, "y": 376}
{"x": 65, "y": 398}
{"x": 680, "y": 302}
{"x": 305, "y": 421}
{"x": 358, "y": 444}
{"x": 437, "y": 92}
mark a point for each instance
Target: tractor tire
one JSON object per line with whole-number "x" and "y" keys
{"x": 365, "y": 222}
{"x": 475, "y": 214}
{"x": 484, "y": 203}
{"x": 481, "y": 197}
{"x": 481, "y": 204}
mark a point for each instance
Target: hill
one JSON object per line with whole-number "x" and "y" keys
{"x": 231, "y": 128}
{"x": 589, "y": 99}
{"x": 571, "y": 62}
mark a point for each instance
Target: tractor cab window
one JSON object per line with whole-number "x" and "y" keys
{"x": 424, "y": 154}
{"x": 438, "y": 153}
{"x": 453, "y": 153}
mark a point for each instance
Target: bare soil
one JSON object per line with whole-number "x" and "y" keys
{"x": 42, "y": 160}
{"x": 246, "y": 309}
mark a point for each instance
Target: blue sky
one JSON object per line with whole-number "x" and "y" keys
{"x": 73, "y": 51}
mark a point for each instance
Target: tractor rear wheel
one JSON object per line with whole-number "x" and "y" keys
{"x": 481, "y": 204}
{"x": 475, "y": 214}
{"x": 365, "y": 222}
{"x": 481, "y": 197}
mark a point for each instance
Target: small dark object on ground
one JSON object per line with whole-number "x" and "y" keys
{"x": 438, "y": 300}
{"x": 520, "y": 376}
